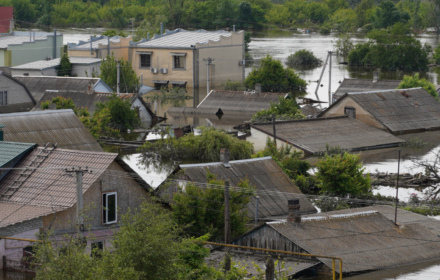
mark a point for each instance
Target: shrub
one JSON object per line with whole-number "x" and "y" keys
{"x": 416, "y": 81}
{"x": 285, "y": 109}
{"x": 303, "y": 57}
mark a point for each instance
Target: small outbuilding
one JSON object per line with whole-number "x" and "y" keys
{"x": 314, "y": 135}
{"x": 398, "y": 111}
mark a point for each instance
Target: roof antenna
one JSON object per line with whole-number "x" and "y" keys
{"x": 397, "y": 188}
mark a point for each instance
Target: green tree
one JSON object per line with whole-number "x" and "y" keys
{"x": 284, "y": 109}
{"x": 415, "y": 81}
{"x": 245, "y": 15}
{"x": 149, "y": 26}
{"x": 129, "y": 82}
{"x": 122, "y": 115}
{"x": 317, "y": 12}
{"x": 274, "y": 77}
{"x": 343, "y": 20}
{"x": 303, "y": 57}
{"x": 343, "y": 45}
{"x": 342, "y": 175}
{"x": 388, "y": 15}
{"x": 112, "y": 33}
{"x": 436, "y": 55}
{"x": 24, "y": 10}
{"x": 361, "y": 12}
{"x": 65, "y": 68}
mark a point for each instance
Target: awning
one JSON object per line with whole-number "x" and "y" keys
{"x": 177, "y": 54}
{"x": 178, "y": 82}
{"x": 144, "y": 52}
{"x": 160, "y": 82}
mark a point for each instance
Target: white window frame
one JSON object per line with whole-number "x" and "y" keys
{"x": 3, "y": 98}
{"x": 105, "y": 211}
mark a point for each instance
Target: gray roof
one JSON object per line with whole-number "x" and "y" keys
{"x": 238, "y": 101}
{"x": 101, "y": 40}
{"x": 11, "y": 150}
{"x": 16, "y": 40}
{"x": 310, "y": 110}
{"x": 39, "y": 85}
{"x": 181, "y": 38}
{"x": 361, "y": 85}
{"x": 45, "y": 64}
{"x": 365, "y": 240}
{"x": 402, "y": 110}
{"x": 263, "y": 173}
{"x": 313, "y": 135}
{"x": 54, "y": 126}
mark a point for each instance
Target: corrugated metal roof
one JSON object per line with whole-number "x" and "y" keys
{"x": 364, "y": 242}
{"x": 55, "y": 126}
{"x": 401, "y": 110}
{"x": 263, "y": 173}
{"x": 44, "y": 64}
{"x": 182, "y": 38}
{"x": 11, "y": 150}
{"x": 39, "y": 85}
{"x": 54, "y": 187}
{"x": 359, "y": 85}
{"x": 101, "y": 40}
{"x": 313, "y": 135}
{"x": 12, "y": 213}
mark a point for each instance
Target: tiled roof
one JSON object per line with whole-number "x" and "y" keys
{"x": 54, "y": 187}
{"x": 101, "y": 40}
{"x": 12, "y": 213}
{"x": 44, "y": 64}
{"x": 10, "y": 150}
{"x": 313, "y": 135}
{"x": 55, "y": 126}
{"x": 361, "y": 85}
{"x": 183, "y": 38}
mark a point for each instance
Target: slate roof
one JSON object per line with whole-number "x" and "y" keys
{"x": 54, "y": 126}
{"x": 365, "y": 240}
{"x": 263, "y": 173}
{"x": 362, "y": 85}
{"x": 16, "y": 40}
{"x": 11, "y": 150}
{"x": 181, "y": 38}
{"x": 45, "y": 64}
{"x": 101, "y": 40}
{"x": 313, "y": 135}
{"x": 39, "y": 85}
{"x": 402, "y": 110}
{"x": 12, "y": 213}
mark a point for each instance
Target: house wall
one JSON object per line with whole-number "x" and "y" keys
{"x": 143, "y": 113}
{"x": 79, "y": 70}
{"x": 101, "y": 87}
{"x": 361, "y": 114}
{"x": 18, "y": 98}
{"x": 119, "y": 50}
{"x": 40, "y": 50}
{"x": 161, "y": 58}
{"x": 2, "y": 57}
{"x": 129, "y": 196}
{"x": 258, "y": 138}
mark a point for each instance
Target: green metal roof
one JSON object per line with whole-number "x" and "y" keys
{"x": 11, "y": 150}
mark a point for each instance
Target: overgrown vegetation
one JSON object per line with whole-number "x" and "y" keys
{"x": 129, "y": 82}
{"x": 284, "y": 109}
{"x": 204, "y": 147}
{"x": 233, "y": 86}
{"x": 303, "y": 57}
{"x": 65, "y": 68}
{"x": 175, "y": 95}
{"x": 415, "y": 81}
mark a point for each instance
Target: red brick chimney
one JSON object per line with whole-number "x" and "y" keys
{"x": 294, "y": 211}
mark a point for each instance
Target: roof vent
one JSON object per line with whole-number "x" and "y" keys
{"x": 224, "y": 157}
{"x": 404, "y": 93}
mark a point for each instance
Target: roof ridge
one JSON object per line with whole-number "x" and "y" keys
{"x": 36, "y": 112}
{"x": 220, "y": 163}
{"x": 81, "y": 152}
{"x": 386, "y": 90}
{"x": 301, "y": 120}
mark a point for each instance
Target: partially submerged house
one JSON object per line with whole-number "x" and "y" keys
{"x": 363, "y": 85}
{"x": 61, "y": 127}
{"x": 397, "y": 111}
{"x": 45, "y": 198}
{"x": 365, "y": 238}
{"x": 15, "y": 46}
{"x": 314, "y": 135}
{"x": 89, "y": 99}
{"x": 177, "y": 58}
{"x": 14, "y": 95}
{"x": 39, "y": 85}
{"x": 81, "y": 67}
{"x": 263, "y": 173}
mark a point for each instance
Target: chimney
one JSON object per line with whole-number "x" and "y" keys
{"x": 375, "y": 77}
{"x": 258, "y": 88}
{"x": 161, "y": 28}
{"x": 294, "y": 212}
{"x": 224, "y": 157}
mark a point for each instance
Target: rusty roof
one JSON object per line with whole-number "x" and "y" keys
{"x": 362, "y": 85}
{"x": 365, "y": 240}
{"x": 55, "y": 126}
{"x": 313, "y": 135}
{"x": 402, "y": 110}
{"x": 263, "y": 173}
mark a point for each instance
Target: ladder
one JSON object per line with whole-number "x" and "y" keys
{"x": 25, "y": 174}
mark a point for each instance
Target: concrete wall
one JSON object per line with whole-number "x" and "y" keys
{"x": 46, "y": 72}
{"x": 2, "y": 57}
{"x": 79, "y": 70}
{"x": 361, "y": 114}
{"x": 35, "y": 50}
{"x": 17, "y": 93}
{"x": 119, "y": 50}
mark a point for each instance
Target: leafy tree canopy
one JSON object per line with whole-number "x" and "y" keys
{"x": 415, "y": 81}
{"x": 303, "y": 57}
{"x": 274, "y": 77}
{"x": 113, "y": 32}
{"x": 65, "y": 68}
{"x": 123, "y": 116}
{"x": 129, "y": 82}
{"x": 284, "y": 109}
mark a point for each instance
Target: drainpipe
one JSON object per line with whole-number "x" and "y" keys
{"x": 54, "y": 43}
{"x": 91, "y": 48}
{"x": 161, "y": 28}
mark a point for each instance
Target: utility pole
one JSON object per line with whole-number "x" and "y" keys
{"x": 117, "y": 77}
{"x": 320, "y": 77}
{"x": 330, "y": 99}
{"x": 274, "y": 129}
{"x": 397, "y": 188}
{"x": 270, "y": 269}
{"x": 79, "y": 196}
{"x": 227, "y": 226}
{"x": 208, "y": 60}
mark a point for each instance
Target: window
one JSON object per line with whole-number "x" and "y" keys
{"x": 145, "y": 60}
{"x": 97, "y": 248}
{"x": 350, "y": 111}
{"x": 3, "y": 98}
{"x": 109, "y": 208}
{"x": 179, "y": 62}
